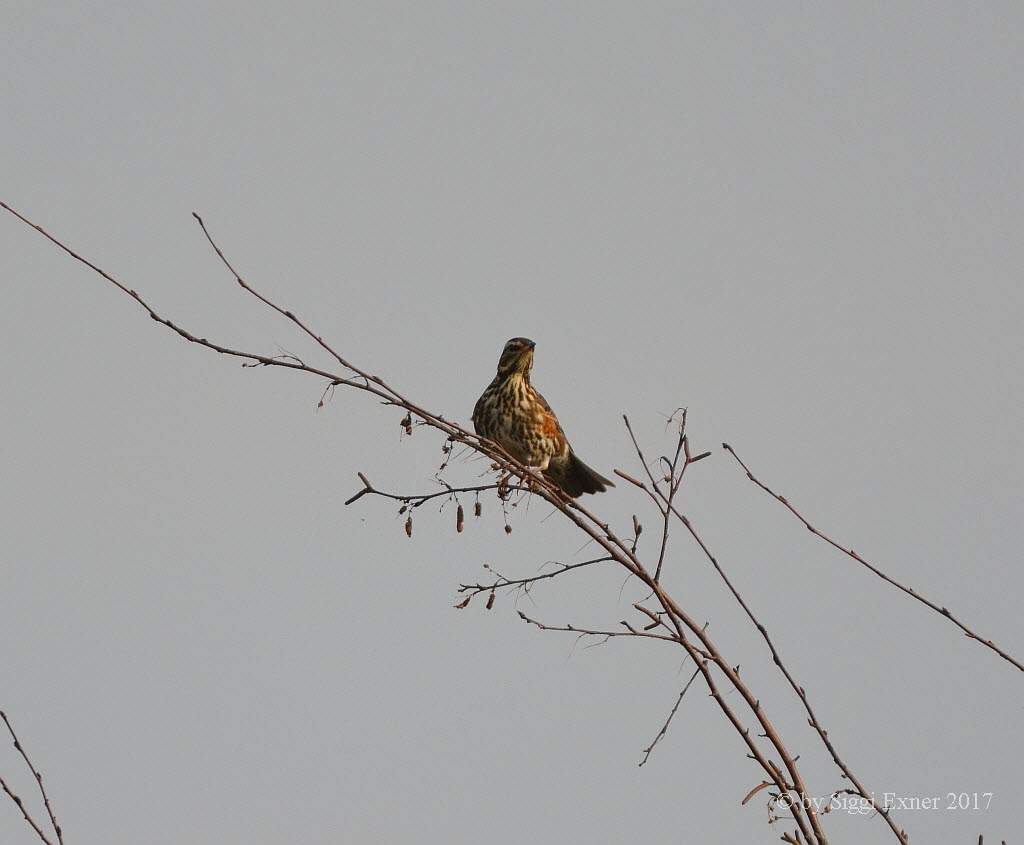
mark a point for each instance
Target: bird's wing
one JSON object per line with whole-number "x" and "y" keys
{"x": 552, "y": 427}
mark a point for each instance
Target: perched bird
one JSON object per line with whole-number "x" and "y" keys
{"x": 515, "y": 416}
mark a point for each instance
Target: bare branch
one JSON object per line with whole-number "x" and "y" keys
{"x": 665, "y": 476}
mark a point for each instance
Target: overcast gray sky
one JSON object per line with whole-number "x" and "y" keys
{"x": 801, "y": 221}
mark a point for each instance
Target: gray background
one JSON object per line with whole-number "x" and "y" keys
{"x": 800, "y": 221}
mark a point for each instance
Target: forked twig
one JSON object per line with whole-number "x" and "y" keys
{"x": 666, "y": 505}
{"x": 500, "y": 581}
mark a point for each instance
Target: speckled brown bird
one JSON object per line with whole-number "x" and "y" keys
{"x": 514, "y": 415}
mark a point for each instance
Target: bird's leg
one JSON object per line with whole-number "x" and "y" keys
{"x": 529, "y": 480}
{"x": 537, "y": 469}
{"x": 535, "y": 477}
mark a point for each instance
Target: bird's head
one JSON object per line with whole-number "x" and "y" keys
{"x": 516, "y": 357}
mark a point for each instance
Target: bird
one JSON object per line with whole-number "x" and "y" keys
{"x": 515, "y": 416}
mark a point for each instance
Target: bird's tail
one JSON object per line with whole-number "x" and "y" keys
{"x": 575, "y": 477}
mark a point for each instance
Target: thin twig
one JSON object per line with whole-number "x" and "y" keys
{"x": 414, "y": 500}
{"x": 668, "y": 721}
{"x": 572, "y": 629}
{"x": 851, "y": 553}
{"x": 501, "y": 581}
{"x": 42, "y": 790}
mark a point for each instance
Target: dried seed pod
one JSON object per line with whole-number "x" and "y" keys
{"x": 478, "y": 508}
{"x": 462, "y": 604}
{"x": 408, "y": 526}
{"x": 490, "y": 601}
{"x": 508, "y": 528}
{"x": 460, "y": 519}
